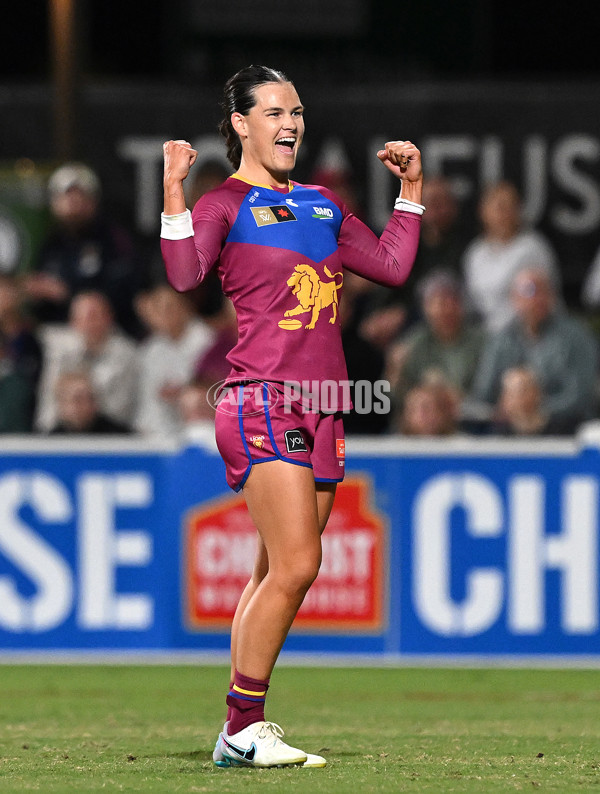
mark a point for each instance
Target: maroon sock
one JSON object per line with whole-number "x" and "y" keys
{"x": 246, "y": 700}
{"x": 228, "y": 717}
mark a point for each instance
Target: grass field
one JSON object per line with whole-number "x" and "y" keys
{"x": 152, "y": 729}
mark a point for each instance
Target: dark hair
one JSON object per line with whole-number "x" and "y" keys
{"x": 239, "y": 97}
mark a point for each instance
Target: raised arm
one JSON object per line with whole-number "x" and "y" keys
{"x": 388, "y": 260}
{"x": 179, "y": 157}
{"x": 188, "y": 250}
{"x": 403, "y": 159}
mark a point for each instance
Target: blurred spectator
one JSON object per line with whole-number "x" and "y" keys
{"x": 430, "y": 409}
{"x": 520, "y": 409}
{"x": 93, "y": 341}
{"x": 442, "y": 242}
{"x": 333, "y": 171}
{"x": 558, "y": 348}
{"x": 443, "y": 237}
{"x": 21, "y": 350}
{"x": 364, "y": 361}
{"x": 206, "y": 176}
{"x": 16, "y": 397}
{"x": 213, "y": 366}
{"x": 502, "y": 249}
{"x": 383, "y": 323}
{"x": 590, "y": 290}
{"x": 77, "y": 407}
{"x": 84, "y": 250}
{"x": 197, "y": 414}
{"x": 441, "y": 245}
{"x": 177, "y": 340}
{"x": 442, "y": 344}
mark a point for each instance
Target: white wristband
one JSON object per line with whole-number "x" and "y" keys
{"x": 176, "y": 227}
{"x": 408, "y": 206}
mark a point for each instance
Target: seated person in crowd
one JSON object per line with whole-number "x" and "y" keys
{"x": 364, "y": 360}
{"x": 442, "y": 242}
{"x": 443, "y": 343}
{"x": 212, "y": 364}
{"x": 77, "y": 407}
{"x": 84, "y": 250}
{"x": 590, "y": 289}
{"x": 430, "y": 409}
{"x": 557, "y": 347}
{"x": 520, "y": 406}
{"x": 16, "y": 396}
{"x": 503, "y": 248}
{"x": 167, "y": 357}
{"x": 91, "y": 339}
{"x": 22, "y": 353}
{"x": 197, "y": 412}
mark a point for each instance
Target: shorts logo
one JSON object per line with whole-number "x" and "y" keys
{"x": 340, "y": 445}
{"x": 257, "y": 441}
{"x": 266, "y": 216}
{"x": 294, "y": 441}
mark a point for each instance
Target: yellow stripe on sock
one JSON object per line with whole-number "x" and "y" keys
{"x": 248, "y": 691}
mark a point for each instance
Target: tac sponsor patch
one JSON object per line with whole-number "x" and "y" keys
{"x": 294, "y": 441}
{"x": 266, "y": 216}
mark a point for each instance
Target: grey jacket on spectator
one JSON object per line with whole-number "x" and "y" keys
{"x": 564, "y": 357}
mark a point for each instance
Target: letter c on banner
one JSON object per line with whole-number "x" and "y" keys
{"x": 434, "y": 502}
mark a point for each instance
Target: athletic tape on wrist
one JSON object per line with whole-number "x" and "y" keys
{"x": 409, "y": 206}
{"x": 176, "y": 227}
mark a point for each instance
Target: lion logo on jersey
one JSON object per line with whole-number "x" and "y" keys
{"x": 312, "y": 295}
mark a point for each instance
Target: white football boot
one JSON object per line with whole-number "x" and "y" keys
{"x": 312, "y": 761}
{"x": 260, "y": 745}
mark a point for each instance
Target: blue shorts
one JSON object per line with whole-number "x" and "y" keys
{"x": 254, "y": 424}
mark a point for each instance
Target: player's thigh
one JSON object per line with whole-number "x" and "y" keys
{"x": 282, "y": 502}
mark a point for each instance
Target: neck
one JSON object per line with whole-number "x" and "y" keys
{"x": 503, "y": 234}
{"x": 262, "y": 176}
{"x": 95, "y": 346}
{"x": 529, "y": 423}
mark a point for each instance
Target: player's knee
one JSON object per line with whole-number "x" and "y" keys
{"x": 301, "y": 573}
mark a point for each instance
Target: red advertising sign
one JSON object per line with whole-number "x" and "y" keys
{"x": 348, "y": 594}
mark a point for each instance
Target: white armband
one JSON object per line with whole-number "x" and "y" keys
{"x": 176, "y": 227}
{"x": 408, "y": 206}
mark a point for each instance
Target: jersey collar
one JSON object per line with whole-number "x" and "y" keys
{"x": 268, "y": 187}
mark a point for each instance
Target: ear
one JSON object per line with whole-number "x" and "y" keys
{"x": 238, "y": 122}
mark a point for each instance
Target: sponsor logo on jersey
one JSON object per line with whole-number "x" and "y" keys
{"x": 291, "y": 202}
{"x": 266, "y": 216}
{"x": 323, "y": 213}
{"x": 340, "y": 445}
{"x": 294, "y": 441}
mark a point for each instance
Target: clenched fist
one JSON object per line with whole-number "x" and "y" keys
{"x": 179, "y": 158}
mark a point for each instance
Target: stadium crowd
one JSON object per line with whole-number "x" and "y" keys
{"x": 478, "y": 341}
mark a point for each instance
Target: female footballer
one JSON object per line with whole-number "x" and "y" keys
{"x": 280, "y": 249}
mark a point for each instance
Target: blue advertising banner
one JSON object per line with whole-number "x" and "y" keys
{"x": 456, "y": 550}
